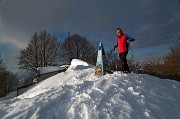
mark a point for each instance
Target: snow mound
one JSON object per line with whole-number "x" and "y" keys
{"x": 78, "y": 94}
{"x": 76, "y": 62}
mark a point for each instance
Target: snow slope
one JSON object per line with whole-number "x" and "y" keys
{"x": 78, "y": 94}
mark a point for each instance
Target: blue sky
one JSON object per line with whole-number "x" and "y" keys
{"x": 153, "y": 23}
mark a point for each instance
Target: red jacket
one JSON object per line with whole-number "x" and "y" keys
{"x": 122, "y": 44}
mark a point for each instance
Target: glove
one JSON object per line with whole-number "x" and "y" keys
{"x": 113, "y": 48}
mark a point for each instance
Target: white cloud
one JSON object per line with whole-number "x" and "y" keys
{"x": 12, "y": 40}
{"x": 10, "y": 54}
{"x": 12, "y": 35}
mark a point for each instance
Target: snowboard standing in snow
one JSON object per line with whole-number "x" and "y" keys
{"x": 101, "y": 64}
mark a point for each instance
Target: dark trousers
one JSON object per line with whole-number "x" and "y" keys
{"x": 123, "y": 59}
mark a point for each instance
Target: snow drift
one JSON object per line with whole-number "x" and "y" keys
{"x": 78, "y": 94}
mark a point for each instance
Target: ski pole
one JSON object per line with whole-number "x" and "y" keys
{"x": 111, "y": 50}
{"x": 115, "y": 60}
{"x": 136, "y": 69}
{"x": 131, "y": 52}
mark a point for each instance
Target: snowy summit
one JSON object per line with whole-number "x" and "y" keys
{"x": 79, "y": 94}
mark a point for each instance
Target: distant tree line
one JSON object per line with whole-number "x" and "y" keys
{"x": 169, "y": 67}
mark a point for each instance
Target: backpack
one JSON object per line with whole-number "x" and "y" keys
{"x": 130, "y": 38}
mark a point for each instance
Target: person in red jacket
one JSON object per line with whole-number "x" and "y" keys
{"x": 123, "y": 41}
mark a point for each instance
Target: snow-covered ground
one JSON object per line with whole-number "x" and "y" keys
{"x": 78, "y": 94}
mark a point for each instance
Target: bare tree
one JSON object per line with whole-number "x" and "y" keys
{"x": 171, "y": 63}
{"x": 78, "y": 47}
{"x": 2, "y": 78}
{"x": 8, "y": 81}
{"x": 42, "y": 50}
{"x": 169, "y": 67}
